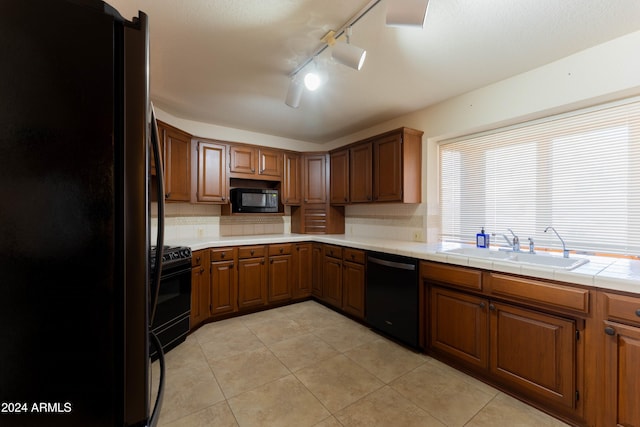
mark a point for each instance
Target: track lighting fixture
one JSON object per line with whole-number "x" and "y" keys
{"x": 294, "y": 94}
{"x": 407, "y": 13}
{"x": 345, "y": 53}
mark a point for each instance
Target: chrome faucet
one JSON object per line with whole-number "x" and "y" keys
{"x": 514, "y": 243}
{"x": 565, "y": 251}
{"x": 532, "y": 249}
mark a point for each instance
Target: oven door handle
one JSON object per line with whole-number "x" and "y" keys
{"x": 155, "y": 283}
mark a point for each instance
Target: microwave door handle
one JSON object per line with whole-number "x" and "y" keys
{"x": 155, "y": 146}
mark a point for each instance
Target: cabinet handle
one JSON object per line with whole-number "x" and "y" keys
{"x": 253, "y": 170}
{"x": 231, "y": 266}
{"x": 252, "y": 251}
{"x": 271, "y": 261}
{"x": 281, "y": 250}
{"x": 492, "y": 307}
{"x": 198, "y": 259}
{"x": 345, "y": 199}
{"x": 201, "y": 270}
{"x": 353, "y": 256}
{"x": 223, "y": 254}
{"x": 609, "y": 331}
{"x": 224, "y": 198}
{"x": 638, "y": 312}
{"x": 482, "y": 305}
{"x": 166, "y": 196}
{"x": 262, "y": 262}
{"x": 306, "y": 200}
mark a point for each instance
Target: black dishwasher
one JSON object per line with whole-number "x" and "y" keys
{"x": 392, "y": 296}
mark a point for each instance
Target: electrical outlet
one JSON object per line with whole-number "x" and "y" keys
{"x": 417, "y": 236}
{"x": 200, "y": 232}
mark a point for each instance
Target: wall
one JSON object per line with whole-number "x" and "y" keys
{"x": 603, "y": 73}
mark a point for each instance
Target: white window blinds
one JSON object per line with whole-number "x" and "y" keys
{"x": 579, "y": 173}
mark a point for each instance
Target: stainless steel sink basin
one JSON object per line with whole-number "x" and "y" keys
{"x": 539, "y": 259}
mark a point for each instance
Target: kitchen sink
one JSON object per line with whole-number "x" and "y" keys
{"x": 539, "y": 260}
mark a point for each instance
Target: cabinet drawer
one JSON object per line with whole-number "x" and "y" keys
{"x": 463, "y": 277}
{"x": 353, "y": 255}
{"x": 538, "y": 292}
{"x": 222, "y": 254}
{"x": 622, "y": 308}
{"x": 198, "y": 258}
{"x": 280, "y": 249}
{"x": 251, "y": 251}
{"x": 333, "y": 251}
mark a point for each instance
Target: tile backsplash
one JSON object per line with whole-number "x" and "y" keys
{"x": 391, "y": 221}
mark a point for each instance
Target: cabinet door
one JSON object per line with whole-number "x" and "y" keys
{"x": 212, "y": 177}
{"x": 534, "y": 352}
{"x": 459, "y": 326}
{"x": 242, "y": 160}
{"x": 303, "y": 271}
{"x": 270, "y": 163}
{"x": 339, "y": 177}
{"x": 280, "y": 275}
{"x": 353, "y": 289}
{"x": 252, "y": 282}
{"x": 360, "y": 176}
{"x": 200, "y": 294}
{"x": 317, "y": 267}
{"x": 223, "y": 287}
{"x": 315, "y": 181}
{"x": 387, "y": 170}
{"x": 621, "y": 375}
{"x": 292, "y": 180}
{"x": 177, "y": 165}
{"x": 332, "y": 281}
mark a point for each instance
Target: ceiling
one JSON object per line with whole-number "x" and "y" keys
{"x": 227, "y": 62}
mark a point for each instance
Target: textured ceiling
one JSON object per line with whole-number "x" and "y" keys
{"x": 226, "y": 62}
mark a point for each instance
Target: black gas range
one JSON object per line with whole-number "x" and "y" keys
{"x": 171, "y": 321}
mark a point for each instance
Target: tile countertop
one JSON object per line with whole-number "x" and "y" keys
{"x": 601, "y": 272}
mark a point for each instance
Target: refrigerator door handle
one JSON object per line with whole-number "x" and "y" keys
{"x": 155, "y": 415}
{"x": 155, "y": 145}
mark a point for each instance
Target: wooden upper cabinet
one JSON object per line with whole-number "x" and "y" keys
{"x": 292, "y": 179}
{"x": 270, "y": 163}
{"x": 177, "y": 163}
{"x": 211, "y": 178}
{"x": 360, "y": 176}
{"x": 315, "y": 178}
{"x": 339, "y": 177}
{"x": 242, "y": 160}
{"x": 397, "y": 165}
{"x": 246, "y": 161}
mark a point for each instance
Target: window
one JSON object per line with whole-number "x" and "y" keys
{"x": 578, "y": 172}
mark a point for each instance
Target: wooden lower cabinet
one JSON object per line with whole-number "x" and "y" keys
{"x": 332, "y": 281}
{"x": 224, "y": 283}
{"x": 317, "y": 268}
{"x": 200, "y": 288}
{"x": 302, "y": 271}
{"x": 620, "y": 335}
{"x": 280, "y": 272}
{"x": 252, "y": 278}
{"x": 534, "y": 352}
{"x": 459, "y": 326}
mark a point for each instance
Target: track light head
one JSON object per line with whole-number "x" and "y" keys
{"x": 294, "y": 94}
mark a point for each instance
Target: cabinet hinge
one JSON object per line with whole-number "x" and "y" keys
{"x": 577, "y": 395}
{"x": 577, "y": 335}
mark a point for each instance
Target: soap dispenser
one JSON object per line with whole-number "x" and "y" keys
{"x": 482, "y": 239}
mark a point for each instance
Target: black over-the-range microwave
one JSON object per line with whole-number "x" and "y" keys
{"x": 255, "y": 200}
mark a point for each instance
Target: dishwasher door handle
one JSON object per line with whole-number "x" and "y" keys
{"x": 392, "y": 264}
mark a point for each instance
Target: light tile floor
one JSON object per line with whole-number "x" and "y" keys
{"x": 306, "y": 365}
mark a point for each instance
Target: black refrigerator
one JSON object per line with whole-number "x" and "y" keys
{"x": 75, "y": 285}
